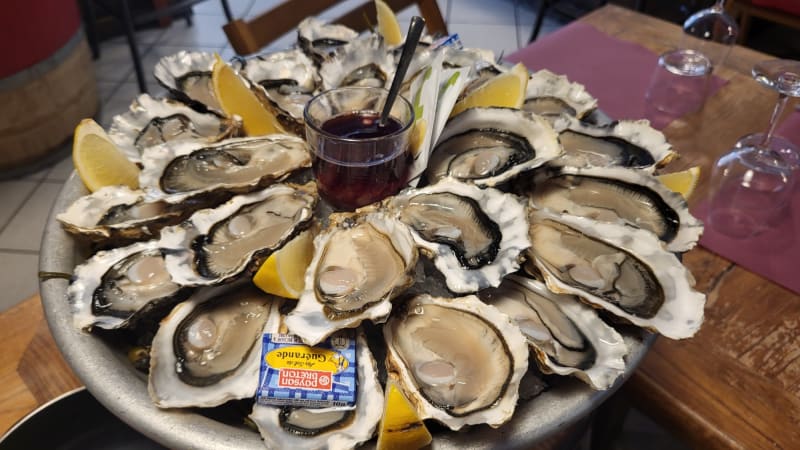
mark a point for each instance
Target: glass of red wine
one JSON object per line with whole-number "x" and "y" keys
{"x": 355, "y": 159}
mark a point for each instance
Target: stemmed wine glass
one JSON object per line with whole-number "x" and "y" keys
{"x": 752, "y": 184}
{"x": 711, "y": 32}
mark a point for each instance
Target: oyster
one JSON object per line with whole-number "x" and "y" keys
{"x": 208, "y": 350}
{"x": 458, "y": 360}
{"x": 489, "y": 146}
{"x": 549, "y": 94}
{"x": 187, "y": 76}
{"x": 474, "y": 236}
{"x": 119, "y": 214}
{"x": 186, "y": 169}
{"x": 215, "y": 245}
{"x": 361, "y": 262}
{"x": 568, "y": 337}
{"x": 287, "y": 80}
{"x": 333, "y": 428}
{"x": 618, "y": 194}
{"x": 319, "y": 39}
{"x": 152, "y": 122}
{"x": 115, "y": 288}
{"x": 362, "y": 62}
{"x": 627, "y": 143}
{"x": 618, "y": 268}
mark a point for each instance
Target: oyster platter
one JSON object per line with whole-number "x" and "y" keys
{"x": 514, "y": 282}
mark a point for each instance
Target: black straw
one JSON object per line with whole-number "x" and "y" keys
{"x": 412, "y": 39}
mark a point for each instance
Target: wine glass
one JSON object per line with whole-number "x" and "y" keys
{"x": 752, "y": 184}
{"x": 711, "y": 32}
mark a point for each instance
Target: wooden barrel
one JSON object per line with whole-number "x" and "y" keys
{"x": 41, "y": 105}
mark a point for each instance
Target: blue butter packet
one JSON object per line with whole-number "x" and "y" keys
{"x": 295, "y": 374}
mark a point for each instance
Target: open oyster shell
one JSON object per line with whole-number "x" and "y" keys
{"x": 362, "y": 62}
{"x": 549, "y": 94}
{"x": 621, "y": 195}
{"x": 628, "y": 143}
{"x": 183, "y": 170}
{"x": 208, "y": 350}
{"x": 152, "y": 122}
{"x": 458, "y": 360}
{"x": 115, "y": 288}
{"x": 332, "y": 428}
{"x": 568, "y": 337}
{"x": 320, "y": 39}
{"x": 489, "y": 146}
{"x": 187, "y": 76}
{"x": 474, "y": 236}
{"x": 215, "y": 245}
{"x": 621, "y": 269}
{"x": 361, "y": 262}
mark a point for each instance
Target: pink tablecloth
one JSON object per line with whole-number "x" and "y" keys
{"x": 614, "y": 71}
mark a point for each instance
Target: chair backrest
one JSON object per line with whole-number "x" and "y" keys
{"x": 248, "y": 37}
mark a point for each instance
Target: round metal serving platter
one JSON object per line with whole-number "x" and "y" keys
{"x": 108, "y": 375}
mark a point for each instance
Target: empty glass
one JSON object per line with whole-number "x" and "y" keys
{"x": 679, "y": 83}
{"x": 711, "y": 32}
{"x": 752, "y": 185}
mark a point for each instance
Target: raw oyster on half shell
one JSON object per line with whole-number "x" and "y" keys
{"x": 361, "y": 262}
{"x": 619, "y": 268}
{"x": 568, "y": 337}
{"x": 362, "y": 62}
{"x": 208, "y": 350}
{"x": 186, "y": 169}
{"x": 489, "y": 146}
{"x": 621, "y": 195}
{"x": 320, "y": 39}
{"x": 458, "y": 360}
{"x": 216, "y": 245}
{"x": 474, "y": 236}
{"x": 151, "y": 122}
{"x": 627, "y": 143}
{"x": 187, "y": 76}
{"x": 549, "y": 94}
{"x": 115, "y": 288}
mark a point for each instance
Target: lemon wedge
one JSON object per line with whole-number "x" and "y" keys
{"x": 236, "y": 98}
{"x": 388, "y": 27}
{"x": 98, "y": 161}
{"x": 283, "y": 272}
{"x": 417, "y": 136}
{"x": 682, "y": 182}
{"x": 401, "y": 428}
{"x": 506, "y": 89}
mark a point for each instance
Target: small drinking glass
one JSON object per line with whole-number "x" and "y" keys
{"x": 712, "y": 32}
{"x": 752, "y": 185}
{"x": 355, "y": 159}
{"x": 679, "y": 83}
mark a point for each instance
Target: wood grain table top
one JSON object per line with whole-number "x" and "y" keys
{"x": 736, "y": 384}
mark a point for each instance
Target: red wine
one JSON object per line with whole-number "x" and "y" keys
{"x": 370, "y": 163}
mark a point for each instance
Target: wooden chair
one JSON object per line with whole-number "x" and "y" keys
{"x": 745, "y": 10}
{"x": 250, "y": 36}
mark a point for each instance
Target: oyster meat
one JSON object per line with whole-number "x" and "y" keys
{"x": 320, "y": 39}
{"x": 567, "y": 336}
{"x": 489, "y": 146}
{"x": 458, "y": 360}
{"x": 549, "y": 94}
{"x": 115, "y": 288}
{"x": 152, "y": 122}
{"x": 619, "y": 268}
{"x": 215, "y": 245}
{"x": 474, "y": 236}
{"x": 187, "y": 76}
{"x": 361, "y": 262}
{"x": 208, "y": 350}
{"x": 362, "y": 62}
{"x": 628, "y": 143}
{"x": 186, "y": 169}
{"x": 618, "y": 194}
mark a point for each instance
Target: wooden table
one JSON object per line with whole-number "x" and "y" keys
{"x": 736, "y": 384}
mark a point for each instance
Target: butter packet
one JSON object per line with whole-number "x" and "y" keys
{"x": 296, "y": 374}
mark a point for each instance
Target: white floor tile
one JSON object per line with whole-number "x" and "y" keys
{"x": 261, "y": 6}
{"x": 482, "y": 12}
{"x": 105, "y": 89}
{"x": 155, "y": 54}
{"x": 214, "y": 7}
{"x": 15, "y": 193}
{"x": 144, "y": 36}
{"x": 18, "y": 278}
{"x": 206, "y": 31}
{"x": 502, "y": 39}
{"x": 24, "y": 232}
{"x": 115, "y": 62}
{"x": 61, "y": 170}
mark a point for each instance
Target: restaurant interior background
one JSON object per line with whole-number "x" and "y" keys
{"x": 500, "y": 25}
